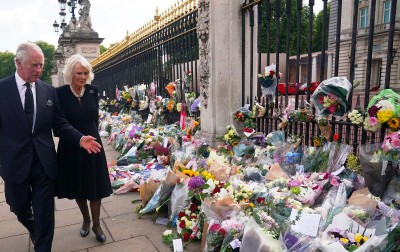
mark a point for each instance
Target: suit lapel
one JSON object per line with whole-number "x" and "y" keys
{"x": 15, "y": 99}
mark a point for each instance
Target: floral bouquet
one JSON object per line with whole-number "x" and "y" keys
{"x": 268, "y": 81}
{"x": 215, "y": 237}
{"x": 187, "y": 222}
{"x": 383, "y": 109}
{"x": 231, "y": 137}
{"x": 376, "y": 169}
{"x": 391, "y": 143}
{"x": 234, "y": 232}
{"x": 168, "y": 236}
{"x": 355, "y": 116}
{"x": 331, "y": 96}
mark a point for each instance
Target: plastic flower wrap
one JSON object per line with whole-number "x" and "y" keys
{"x": 179, "y": 199}
{"x": 215, "y": 237}
{"x": 268, "y": 81}
{"x": 331, "y": 96}
{"x": 383, "y": 108}
{"x": 376, "y": 170}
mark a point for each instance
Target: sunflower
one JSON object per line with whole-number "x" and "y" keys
{"x": 317, "y": 143}
{"x": 394, "y": 123}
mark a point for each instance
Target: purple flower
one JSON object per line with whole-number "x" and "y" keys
{"x": 290, "y": 240}
{"x": 373, "y": 110}
{"x": 195, "y": 106}
{"x": 196, "y": 182}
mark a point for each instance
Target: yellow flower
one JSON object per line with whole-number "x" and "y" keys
{"x": 188, "y": 172}
{"x": 365, "y": 238}
{"x": 235, "y": 143}
{"x": 344, "y": 241}
{"x": 251, "y": 205}
{"x": 170, "y": 105}
{"x": 394, "y": 123}
{"x": 357, "y": 238}
{"x": 316, "y": 143}
{"x": 384, "y": 115}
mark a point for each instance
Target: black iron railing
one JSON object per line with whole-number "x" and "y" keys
{"x": 162, "y": 56}
{"x": 346, "y": 51}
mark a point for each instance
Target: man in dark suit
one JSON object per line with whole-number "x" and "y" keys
{"x": 29, "y": 110}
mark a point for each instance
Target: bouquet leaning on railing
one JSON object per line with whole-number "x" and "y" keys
{"x": 331, "y": 98}
{"x": 383, "y": 109}
{"x": 268, "y": 82}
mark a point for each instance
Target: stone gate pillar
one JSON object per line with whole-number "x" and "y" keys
{"x": 219, "y": 33}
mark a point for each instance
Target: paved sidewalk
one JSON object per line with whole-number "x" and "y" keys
{"x": 124, "y": 231}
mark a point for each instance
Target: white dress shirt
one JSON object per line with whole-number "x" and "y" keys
{"x": 22, "y": 89}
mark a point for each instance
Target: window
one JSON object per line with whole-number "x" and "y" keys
{"x": 386, "y": 12}
{"x": 363, "y": 17}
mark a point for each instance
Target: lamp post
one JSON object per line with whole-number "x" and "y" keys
{"x": 77, "y": 36}
{"x": 72, "y": 5}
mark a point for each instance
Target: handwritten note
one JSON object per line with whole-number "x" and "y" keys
{"x": 307, "y": 224}
{"x": 177, "y": 244}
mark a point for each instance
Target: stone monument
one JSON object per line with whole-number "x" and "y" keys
{"x": 77, "y": 37}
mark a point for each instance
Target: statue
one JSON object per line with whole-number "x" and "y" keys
{"x": 84, "y": 15}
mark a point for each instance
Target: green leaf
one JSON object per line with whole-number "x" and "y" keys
{"x": 191, "y": 193}
{"x": 206, "y": 186}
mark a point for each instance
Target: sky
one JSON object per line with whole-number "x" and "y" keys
{"x": 32, "y": 20}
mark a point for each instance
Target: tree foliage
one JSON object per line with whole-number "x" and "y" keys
{"x": 283, "y": 29}
{"x": 103, "y": 49}
{"x": 48, "y": 51}
{"x": 317, "y": 39}
{"x": 7, "y": 64}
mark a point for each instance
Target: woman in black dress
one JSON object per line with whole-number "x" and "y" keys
{"x": 82, "y": 176}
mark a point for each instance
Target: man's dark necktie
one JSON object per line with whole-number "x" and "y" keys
{"x": 29, "y": 107}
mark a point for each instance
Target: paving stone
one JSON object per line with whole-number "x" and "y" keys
{"x": 68, "y": 239}
{"x": 63, "y": 204}
{"x": 73, "y": 216}
{"x": 140, "y": 243}
{"x": 5, "y": 213}
{"x": 10, "y": 228}
{"x": 18, "y": 243}
{"x": 120, "y": 204}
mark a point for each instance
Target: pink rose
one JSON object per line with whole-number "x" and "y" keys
{"x": 373, "y": 121}
{"x": 396, "y": 143}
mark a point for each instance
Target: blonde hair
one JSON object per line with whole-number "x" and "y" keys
{"x": 69, "y": 68}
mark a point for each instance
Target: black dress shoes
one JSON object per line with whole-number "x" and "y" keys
{"x": 84, "y": 232}
{"x": 99, "y": 237}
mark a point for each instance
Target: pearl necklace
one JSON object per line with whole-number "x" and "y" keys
{"x": 80, "y": 95}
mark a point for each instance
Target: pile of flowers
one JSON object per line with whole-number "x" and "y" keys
{"x": 350, "y": 241}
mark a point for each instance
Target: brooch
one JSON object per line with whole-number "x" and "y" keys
{"x": 49, "y": 103}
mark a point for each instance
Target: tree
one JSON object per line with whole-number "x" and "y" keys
{"x": 282, "y": 28}
{"x": 48, "y": 51}
{"x": 103, "y": 49}
{"x": 7, "y": 64}
{"x": 317, "y": 39}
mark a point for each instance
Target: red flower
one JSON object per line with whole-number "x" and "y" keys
{"x": 336, "y": 137}
{"x": 260, "y": 200}
{"x": 248, "y": 130}
{"x": 193, "y": 216}
{"x": 186, "y": 236}
{"x": 216, "y": 190}
{"x": 182, "y": 224}
{"x": 214, "y": 228}
{"x": 181, "y": 214}
{"x": 193, "y": 207}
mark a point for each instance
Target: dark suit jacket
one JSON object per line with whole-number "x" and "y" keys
{"x": 17, "y": 141}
